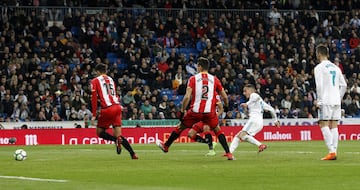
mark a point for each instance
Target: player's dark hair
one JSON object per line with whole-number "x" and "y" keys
{"x": 204, "y": 63}
{"x": 250, "y": 86}
{"x": 322, "y": 50}
{"x": 101, "y": 68}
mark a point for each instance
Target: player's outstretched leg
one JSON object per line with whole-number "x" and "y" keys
{"x": 162, "y": 146}
{"x": 224, "y": 144}
{"x": 246, "y": 137}
{"x": 128, "y": 147}
{"x": 165, "y": 146}
{"x": 104, "y": 135}
{"x": 254, "y": 141}
{"x": 234, "y": 144}
{"x": 262, "y": 147}
{"x": 222, "y": 140}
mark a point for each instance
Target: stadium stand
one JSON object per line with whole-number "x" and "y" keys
{"x": 48, "y": 52}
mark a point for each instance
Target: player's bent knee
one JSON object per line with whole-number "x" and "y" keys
{"x": 206, "y": 128}
{"x": 191, "y": 133}
{"x": 242, "y": 135}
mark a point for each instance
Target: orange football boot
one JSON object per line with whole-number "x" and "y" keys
{"x": 330, "y": 156}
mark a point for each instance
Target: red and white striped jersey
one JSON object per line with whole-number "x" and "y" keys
{"x": 103, "y": 87}
{"x": 204, "y": 87}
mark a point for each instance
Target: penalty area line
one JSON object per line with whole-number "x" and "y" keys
{"x": 33, "y": 179}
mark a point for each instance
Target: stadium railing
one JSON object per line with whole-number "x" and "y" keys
{"x": 58, "y": 13}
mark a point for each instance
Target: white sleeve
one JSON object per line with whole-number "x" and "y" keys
{"x": 343, "y": 86}
{"x": 318, "y": 83}
{"x": 271, "y": 110}
{"x": 253, "y": 98}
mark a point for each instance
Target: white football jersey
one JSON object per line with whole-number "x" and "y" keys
{"x": 256, "y": 107}
{"x": 328, "y": 79}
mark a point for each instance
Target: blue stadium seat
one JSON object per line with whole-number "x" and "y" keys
{"x": 75, "y": 31}
{"x": 178, "y": 99}
{"x": 121, "y": 64}
{"x": 168, "y": 50}
{"x": 167, "y": 92}
{"x": 184, "y": 51}
{"x": 188, "y": 51}
{"x": 193, "y": 51}
{"x": 72, "y": 66}
{"x": 112, "y": 57}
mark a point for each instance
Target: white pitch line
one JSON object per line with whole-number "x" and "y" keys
{"x": 33, "y": 179}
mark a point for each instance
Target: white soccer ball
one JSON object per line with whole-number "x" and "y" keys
{"x": 20, "y": 155}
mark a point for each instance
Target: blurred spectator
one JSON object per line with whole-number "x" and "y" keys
{"x": 286, "y": 103}
{"x": 190, "y": 68}
{"x": 355, "y": 88}
{"x": 274, "y": 16}
{"x": 146, "y": 107}
{"x": 7, "y": 105}
{"x": 128, "y": 98}
{"x": 169, "y": 40}
{"x": 162, "y": 116}
{"x": 45, "y": 67}
{"x": 84, "y": 111}
{"x": 55, "y": 115}
{"x": 353, "y": 108}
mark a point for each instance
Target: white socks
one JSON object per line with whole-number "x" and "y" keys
{"x": 252, "y": 140}
{"x": 236, "y": 141}
{"x": 328, "y": 138}
{"x": 335, "y": 137}
{"x": 234, "y": 144}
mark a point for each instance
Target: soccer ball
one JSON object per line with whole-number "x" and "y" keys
{"x": 20, "y": 155}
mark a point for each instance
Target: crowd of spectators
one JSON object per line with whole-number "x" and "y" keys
{"x": 45, "y": 69}
{"x": 201, "y": 4}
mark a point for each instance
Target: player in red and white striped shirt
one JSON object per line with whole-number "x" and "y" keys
{"x": 103, "y": 89}
{"x": 200, "y": 127}
{"x": 201, "y": 91}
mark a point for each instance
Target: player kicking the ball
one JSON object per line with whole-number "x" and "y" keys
{"x": 256, "y": 107}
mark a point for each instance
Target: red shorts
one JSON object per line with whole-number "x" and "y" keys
{"x": 110, "y": 116}
{"x": 192, "y": 118}
{"x": 198, "y": 127}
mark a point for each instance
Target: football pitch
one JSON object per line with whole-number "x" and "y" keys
{"x": 284, "y": 165}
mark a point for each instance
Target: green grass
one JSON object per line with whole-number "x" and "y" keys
{"x": 284, "y": 165}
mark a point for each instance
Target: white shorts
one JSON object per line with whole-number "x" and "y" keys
{"x": 252, "y": 126}
{"x": 329, "y": 112}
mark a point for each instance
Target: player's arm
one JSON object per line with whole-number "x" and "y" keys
{"x": 342, "y": 85}
{"x": 220, "y": 108}
{"x": 188, "y": 93}
{"x": 221, "y": 91}
{"x": 186, "y": 99}
{"x": 318, "y": 83}
{"x": 269, "y": 108}
{"x": 224, "y": 97}
{"x": 254, "y": 97}
{"x": 93, "y": 100}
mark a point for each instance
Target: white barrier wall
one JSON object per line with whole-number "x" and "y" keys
{"x": 233, "y": 122}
